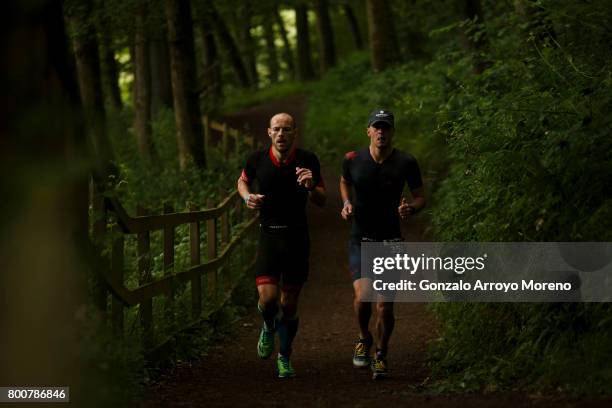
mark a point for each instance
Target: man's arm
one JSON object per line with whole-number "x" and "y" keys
{"x": 345, "y": 194}
{"x": 252, "y": 201}
{"x": 318, "y": 195}
{"x": 407, "y": 208}
{"x": 418, "y": 198}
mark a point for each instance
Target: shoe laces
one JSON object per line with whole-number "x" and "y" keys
{"x": 360, "y": 349}
{"x": 380, "y": 365}
{"x": 267, "y": 337}
{"x": 284, "y": 362}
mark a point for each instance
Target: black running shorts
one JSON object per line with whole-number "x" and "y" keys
{"x": 282, "y": 254}
{"x": 354, "y": 251}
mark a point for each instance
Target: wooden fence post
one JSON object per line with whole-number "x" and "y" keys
{"x": 99, "y": 233}
{"x": 169, "y": 262}
{"x": 225, "y": 239}
{"x": 238, "y": 210}
{"x": 211, "y": 243}
{"x": 226, "y": 136}
{"x": 194, "y": 250}
{"x": 144, "y": 269}
{"x": 225, "y": 225}
{"x": 206, "y": 124}
{"x": 117, "y": 271}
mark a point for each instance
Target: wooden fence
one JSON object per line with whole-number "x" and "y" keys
{"x": 223, "y": 234}
{"x": 232, "y": 140}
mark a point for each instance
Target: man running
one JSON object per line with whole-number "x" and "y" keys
{"x": 377, "y": 174}
{"x": 287, "y": 176}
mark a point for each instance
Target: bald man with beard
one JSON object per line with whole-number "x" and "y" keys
{"x": 286, "y": 178}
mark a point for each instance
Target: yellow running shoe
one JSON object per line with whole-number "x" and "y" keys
{"x": 379, "y": 369}
{"x": 361, "y": 353}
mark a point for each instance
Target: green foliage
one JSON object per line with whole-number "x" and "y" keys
{"x": 534, "y": 113}
{"x": 162, "y": 182}
{"x": 115, "y": 367}
{"x": 339, "y": 106}
{"x": 243, "y": 98}
{"x": 520, "y": 153}
{"x": 122, "y": 365}
{"x": 561, "y": 347}
{"x": 529, "y": 149}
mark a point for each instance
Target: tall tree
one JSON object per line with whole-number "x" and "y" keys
{"x": 272, "y": 59}
{"x": 142, "y": 86}
{"x": 41, "y": 136}
{"x": 228, "y": 44}
{"x": 249, "y": 51}
{"x": 159, "y": 57}
{"x": 287, "y": 53}
{"x": 327, "y": 49}
{"x": 305, "y": 70}
{"x": 86, "y": 50}
{"x": 353, "y": 25}
{"x": 108, "y": 65}
{"x": 184, "y": 88}
{"x": 211, "y": 63}
{"x": 384, "y": 49}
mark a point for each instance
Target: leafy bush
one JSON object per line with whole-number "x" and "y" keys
{"x": 529, "y": 149}
{"x": 521, "y": 153}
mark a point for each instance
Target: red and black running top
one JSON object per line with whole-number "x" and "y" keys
{"x": 378, "y": 191}
{"x": 284, "y": 203}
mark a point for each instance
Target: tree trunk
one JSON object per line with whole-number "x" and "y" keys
{"x": 271, "y": 52}
{"x": 159, "y": 58}
{"x": 304, "y": 61}
{"x": 85, "y": 43}
{"x": 44, "y": 204}
{"x": 287, "y": 53}
{"x": 327, "y": 51}
{"x": 229, "y": 45}
{"x": 353, "y": 25}
{"x": 110, "y": 72}
{"x": 182, "y": 66}
{"x": 248, "y": 45}
{"x": 384, "y": 49}
{"x": 212, "y": 65}
{"x": 142, "y": 88}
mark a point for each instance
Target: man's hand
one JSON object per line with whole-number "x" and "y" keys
{"x": 304, "y": 177}
{"x": 254, "y": 201}
{"x": 347, "y": 210}
{"x": 405, "y": 209}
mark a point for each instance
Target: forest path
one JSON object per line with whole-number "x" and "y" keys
{"x": 233, "y": 375}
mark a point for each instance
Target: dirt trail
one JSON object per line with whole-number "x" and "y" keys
{"x": 233, "y": 375}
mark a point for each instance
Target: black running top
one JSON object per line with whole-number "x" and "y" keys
{"x": 378, "y": 188}
{"x": 284, "y": 203}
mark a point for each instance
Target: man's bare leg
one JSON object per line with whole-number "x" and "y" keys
{"x": 363, "y": 313}
{"x": 268, "y": 308}
{"x": 268, "y": 303}
{"x": 385, "y": 322}
{"x": 289, "y": 322}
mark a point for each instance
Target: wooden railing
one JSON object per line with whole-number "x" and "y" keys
{"x": 229, "y": 255}
{"x": 232, "y": 140}
{"x": 225, "y": 230}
